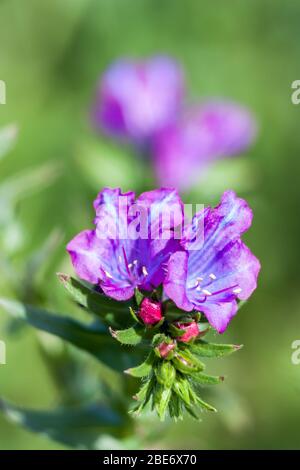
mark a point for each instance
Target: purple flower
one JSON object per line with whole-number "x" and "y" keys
{"x": 211, "y": 278}
{"x": 137, "y": 99}
{"x": 130, "y": 245}
{"x": 184, "y": 149}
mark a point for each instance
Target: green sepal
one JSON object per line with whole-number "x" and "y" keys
{"x": 143, "y": 396}
{"x": 143, "y": 369}
{"x": 186, "y": 363}
{"x": 165, "y": 373}
{"x": 175, "y": 408}
{"x": 134, "y": 316}
{"x": 138, "y": 296}
{"x": 204, "y": 349}
{"x": 161, "y": 400}
{"x": 204, "y": 328}
{"x": 205, "y": 405}
{"x": 207, "y": 379}
{"x": 182, "y": 388}
{"x": 192, "y": 413}
{"x": 175, "y": 332}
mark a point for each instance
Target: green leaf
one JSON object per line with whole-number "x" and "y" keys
{"x": 110, "y": 311}
{"x": 131, "y": 336}
{"x": 143, "y": 369}
{"x": 205, "y": 349}
{"x": 28, "y": 182}
{"x": 91, "y": 338}
{"x": 79, "y": 427}
{"x": 207, "y": 379}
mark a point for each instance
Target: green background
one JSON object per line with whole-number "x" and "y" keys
{"x": 51, "y": 56}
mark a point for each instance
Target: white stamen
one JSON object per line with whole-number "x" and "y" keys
{"x": 198, "y": 288}
{"x": 130, "y": 265}
{"x": 212, "y": 276}
{"x": 135, "y": 262}
{"x": 199, "y": 279}
{"x": 108, "y": 275}
{"x": 196, "y": 283}
{"x": 120, "y": 258}
{"x": 206, "y": 292}
{"x": 144, "y": 270}
{"x": 238, "y": 290}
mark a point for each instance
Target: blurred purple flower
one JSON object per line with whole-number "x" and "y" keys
{"x": 116, "y": 260}
{"x": 210, "y": 279}
{"x": 138, "y": 98}
{"x": 212, "y": 130}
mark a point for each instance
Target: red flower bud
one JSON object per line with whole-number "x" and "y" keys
{"x": 191, "y": 331}
{"x": 165, "y": 349}
{"x": 150, "y": 311}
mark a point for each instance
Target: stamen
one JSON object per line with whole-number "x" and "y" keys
{"x": 198, "y": 288}
{"x": 206, "y": 292}
{"x": 212, "y": 276}
{"x": 144, "y": 270}
{"x": 126, "y": 262}
{"x": 108, "y": 274}
{"x": 135, "y": 262}
{"x": 238, "y": 290}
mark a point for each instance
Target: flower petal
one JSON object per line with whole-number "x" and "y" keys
{"x": 175, "y": 281}
{"x": 220, "y": 314}
{"x": 85, "y": 252}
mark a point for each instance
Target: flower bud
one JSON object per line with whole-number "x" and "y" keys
{"x": 191, "y": 331}
{"x": 150, "y": 311}
{"x": 165, "y": 350}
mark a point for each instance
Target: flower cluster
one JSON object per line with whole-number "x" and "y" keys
{"x": 178, "y": 292}
{"x": 144, "y": 102}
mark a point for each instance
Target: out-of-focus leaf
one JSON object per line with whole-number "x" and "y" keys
{"x": 39, "y": 258}
{"x": 105, "y": 164}
{"x": 91, "y": 338}
{"x": 239, "y": 174}
{"x": 110, "y": 311}
{"x": 8, "y": 135}
{"x": 27, "y": 182}
{"x": 78, "y": 427}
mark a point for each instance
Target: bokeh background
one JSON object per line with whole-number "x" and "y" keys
{"x": 51, "y": 56}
